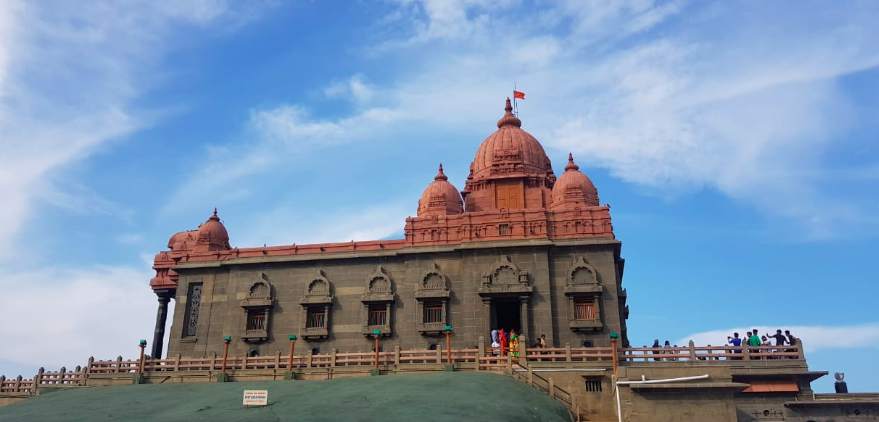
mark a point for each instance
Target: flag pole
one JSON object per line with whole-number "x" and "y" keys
{"x": 515, "y": 106}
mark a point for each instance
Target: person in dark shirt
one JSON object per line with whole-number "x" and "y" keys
{"x": 791, "y": 340}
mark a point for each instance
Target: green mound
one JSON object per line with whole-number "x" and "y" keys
{"x": 446, "y": 396}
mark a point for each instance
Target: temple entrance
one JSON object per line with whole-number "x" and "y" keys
{"x": 507, "y": 314}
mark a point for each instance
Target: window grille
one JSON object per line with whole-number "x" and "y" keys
{"x": 504, "y": 229}
{"x": 433, "y": 313}
{"x": 584, "y": 310}
{"x": 316, "y": 318}
{"x": 192, "y": 304}
{"x": 378, "y": 315}
{"x": 593, "y": 386}
{"x": 256, "y": 321}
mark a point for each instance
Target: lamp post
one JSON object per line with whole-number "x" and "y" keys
{"x": 140, "y": 361}
{"x": 376, "y": 334}
{"x": 226, "y": 340}
{"x": 613, "y": 345}
{"x": 292, "y": 344}
{"x": 449, "y": 344}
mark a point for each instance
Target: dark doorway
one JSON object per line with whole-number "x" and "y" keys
{"x": 507, "y": 315}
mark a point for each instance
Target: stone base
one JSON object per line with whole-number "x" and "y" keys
{"x": 449, "y": 368}
{"x": 138, "y": 379}
{"x": 375, "y": 372}
{"x": 289, "y": 376}
{"x": 222, "y": 377}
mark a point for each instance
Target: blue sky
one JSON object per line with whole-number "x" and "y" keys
{"x": 735, "y": 143}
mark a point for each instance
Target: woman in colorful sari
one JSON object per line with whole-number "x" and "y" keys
{"x": 514, "y": 344}
{"x": 502, "y": 336}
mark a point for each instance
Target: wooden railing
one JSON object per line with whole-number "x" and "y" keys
{"x": 481, "y": 358}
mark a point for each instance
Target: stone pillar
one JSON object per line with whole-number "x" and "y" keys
{"x": 525, "y": 319}
{"x": 486, "y": 316}
{"x": 161, "y": 318}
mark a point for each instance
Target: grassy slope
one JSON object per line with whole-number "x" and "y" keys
{"x": 443, "y": 396}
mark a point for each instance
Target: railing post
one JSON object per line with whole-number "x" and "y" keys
{"x": 177, "y": 363}
{"x": 530, "y": 376}
{"x": 567, "y": 351}
{"x": 2, "y": 380}
{"x": 615, "y": 355}
{"x": 278, "y": 359}
{"x": 38, "y": 379}
{"x": 333, "y": 357}
{"x": 510, "y": 363}
{"x": 213, "y": 361}
{"x": 87, "y": 370}
{"x": 745, "y": 353}
{"x": 397, "y": 355}
{"x": 480, "y": 346}
{"x": 119, "y": 364}
{"x": 523, "y": 352}
{"x": 61, "y": 373}
{"x": 692, "y": 351}
{"x": 308, "y": 360}
{"x": 551, "y": 387}
{"x": 439, "y": 353}
{"x": 800, "y": 353}
{"x": 17, "y": 384}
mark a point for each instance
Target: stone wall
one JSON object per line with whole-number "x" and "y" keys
{"x": 548, "y": 265}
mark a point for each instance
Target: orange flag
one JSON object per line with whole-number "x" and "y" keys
{"x": 519, "y": 95}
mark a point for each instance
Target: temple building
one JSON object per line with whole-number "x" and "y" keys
{"x": 518, "y": 248}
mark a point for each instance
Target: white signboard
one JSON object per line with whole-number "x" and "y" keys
{"x": 256, "y": 397}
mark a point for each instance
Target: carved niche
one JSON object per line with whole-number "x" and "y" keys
{"x": 316, "y": 306}
{"x": 583, "y": 290}
{"x": 432, "y": 300}
{"x": 378, "y": 302}
{"x": 257, "y": 306}
{"x": 505, "y": 279}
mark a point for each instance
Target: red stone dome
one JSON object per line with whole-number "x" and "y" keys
{"x": 510, "y": 150}
{"x": 440, "y": 197}
{"x": 213, "y": 234}
{"x": 573, "y": 187}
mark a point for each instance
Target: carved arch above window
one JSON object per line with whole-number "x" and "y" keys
{"x": 505, "y": 278}
{"x": 257, "y": 305}
{"x": 582, "y": 279}
{"x": 432, "y": 301}
{"x": 379, "y": 287}
{"x": 316, "y": 306}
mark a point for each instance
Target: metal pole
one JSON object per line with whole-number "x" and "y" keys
{"x": 376, "y": 350}
{"x": 613, "y": 345}
{"x": 140, "y": 361}
{"x": 449, "y": 347}
{"x": 225, "y": 354}
{"x": 290, "y": 362}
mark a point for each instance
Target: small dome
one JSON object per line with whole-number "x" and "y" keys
{"x": 440, "y": 197}
{"x": 182, "y": 240}
{"x": 574, "y": 187}
{"x": 213, "y": 234}
{"x": 510, "y": 146}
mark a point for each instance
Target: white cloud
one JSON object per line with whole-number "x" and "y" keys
{"x": 284, "y": 226}
{"x": 356, "y": 88}
{"x": 69, "y": 74}
{"x": 68, "y": 314}
{"x": 814, "y": 337}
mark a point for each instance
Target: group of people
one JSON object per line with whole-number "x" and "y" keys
{"x": 753, "y": 339}
{"x": 503, "y": 341}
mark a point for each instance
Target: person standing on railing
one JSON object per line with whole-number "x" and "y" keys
{"x": 791, "y": 340}
{"x": 736, "y": 342}
{"x": 655, "y": 350}
{"x": 780, "y": 340}
{"x": 754, "y": 341}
